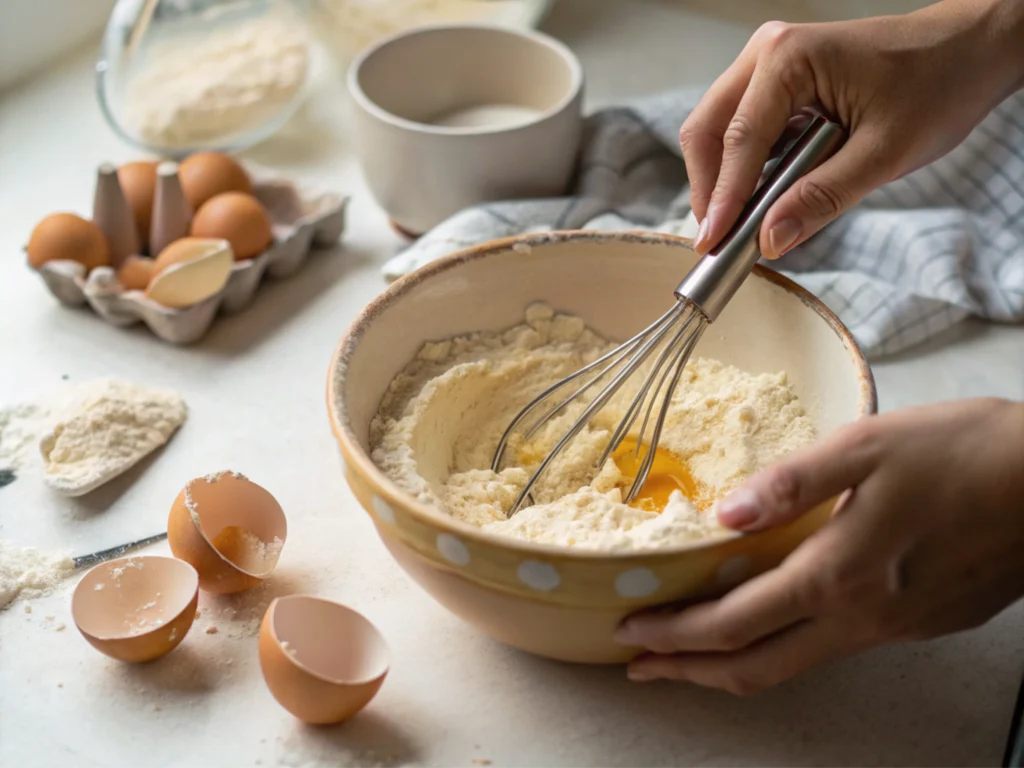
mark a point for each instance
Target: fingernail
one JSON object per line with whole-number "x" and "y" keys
{"x": 739, "y": 509}
{"x": 640, "y": 675}
{"x": 782, "y": 236}
{"x": 701, "y": 244}
{"x": 626, "y": 635}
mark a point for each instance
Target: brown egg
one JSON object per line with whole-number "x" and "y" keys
{"x": 238, "y": 218}
{"x": 190, "y": 270}
{"x": 323, "y": 662}
{"x": 207, "y": 174}
{"x": 136, "y": 608}
{"x": 136, "y": 272}
{"x": 230, "y": 529}
{"x": 138, "y": 182}
{"x": 65, "y": 236}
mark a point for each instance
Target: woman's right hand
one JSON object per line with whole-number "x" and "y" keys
{"x": 907, "y": 89}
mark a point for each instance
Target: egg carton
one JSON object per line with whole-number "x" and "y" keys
{"x": 300, "y": 223}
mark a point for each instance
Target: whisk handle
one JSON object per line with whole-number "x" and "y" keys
{"x": 720, "y": 272}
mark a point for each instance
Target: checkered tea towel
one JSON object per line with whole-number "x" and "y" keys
{"x": 912, "y": 259}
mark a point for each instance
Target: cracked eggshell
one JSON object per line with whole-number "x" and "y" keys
{"x": 190, "y": 270}
{"x": 321, "y": 660}
{"x": 137, "y": 608}
{"x": 229, "y": 529}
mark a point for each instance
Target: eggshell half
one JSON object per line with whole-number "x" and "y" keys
{"x": 322, "y": 661}
{"x": 192, "y": 280}
{"x": 136, "y": 608}
{"x": 230, "y": 530}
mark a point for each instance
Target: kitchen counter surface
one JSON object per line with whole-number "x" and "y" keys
{"x": 255, "y": 387}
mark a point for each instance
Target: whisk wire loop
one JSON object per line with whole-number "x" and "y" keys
{"x": 678, "y": 364}
{"x": 616, "y": 356}
{"x": 634, "y": 352}
{"x": 638, "y": 400}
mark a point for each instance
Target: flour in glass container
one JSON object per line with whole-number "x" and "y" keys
{"x": 193, "y": 89}
{"x": 350, "y": 26}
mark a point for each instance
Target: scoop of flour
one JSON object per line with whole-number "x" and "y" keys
{"x": 108, "y": 426}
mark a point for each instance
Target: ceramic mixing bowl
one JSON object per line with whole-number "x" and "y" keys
{"x": 556, "y": 602}
{"x": 446, "y": 117}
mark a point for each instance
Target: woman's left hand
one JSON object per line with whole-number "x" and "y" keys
{"x": 930, "y": 540}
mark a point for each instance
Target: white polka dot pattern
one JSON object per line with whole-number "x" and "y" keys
{"x": 540, "y": 576}
{"x": 734, "y": 571}
{"x": 383, "y": 510}
{"x": 637, "y": 582}
{"x": 452, "y": 549}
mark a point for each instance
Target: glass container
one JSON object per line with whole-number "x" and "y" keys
{"x": 180, "y": 76}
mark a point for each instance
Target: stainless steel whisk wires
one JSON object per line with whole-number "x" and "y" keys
{"x": 700, "y": 299}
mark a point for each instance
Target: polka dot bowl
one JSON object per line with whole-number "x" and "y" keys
{"x": 557, "y": 602}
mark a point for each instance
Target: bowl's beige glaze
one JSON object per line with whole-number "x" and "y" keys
{"x": 546, "y": 600}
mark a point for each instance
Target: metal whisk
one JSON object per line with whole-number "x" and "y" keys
{"x": 701, "y": 297}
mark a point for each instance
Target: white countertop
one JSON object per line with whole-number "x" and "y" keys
{"x": 255, "y": 389}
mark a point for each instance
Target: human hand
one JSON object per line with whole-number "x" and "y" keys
{"x": 930, "y": 541}
{"x": 907, "y": 89}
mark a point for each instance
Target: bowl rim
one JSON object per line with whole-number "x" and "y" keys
{"x": 394, "y": 495}
{"x": 370, "y": 106}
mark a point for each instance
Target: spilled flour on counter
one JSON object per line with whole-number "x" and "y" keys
{"x": 443, "y": 415}
{"x": 238, "y": 616}
{"x": 29, "y": 573}
{"x": 20, "y": 428}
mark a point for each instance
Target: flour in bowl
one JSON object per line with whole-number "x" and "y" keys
{"x": 443, "y": 415}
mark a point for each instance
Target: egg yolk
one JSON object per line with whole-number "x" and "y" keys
{"x": 668, "y": 473}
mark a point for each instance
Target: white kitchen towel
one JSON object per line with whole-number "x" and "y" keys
{"x": 911, "y": 260}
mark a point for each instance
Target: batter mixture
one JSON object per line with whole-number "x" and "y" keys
{"x": 443, "y": 415}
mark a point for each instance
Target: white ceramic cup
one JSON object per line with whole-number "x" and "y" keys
{"x": 447, "y": 117}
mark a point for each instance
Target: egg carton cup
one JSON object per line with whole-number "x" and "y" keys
{"x": 300, "y": 224}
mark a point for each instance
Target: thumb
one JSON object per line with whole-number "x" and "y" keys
{"x": 800, "y": 482}
{"x": 857, "y": 168}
